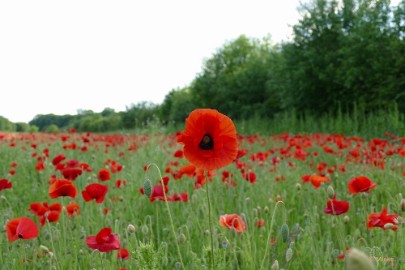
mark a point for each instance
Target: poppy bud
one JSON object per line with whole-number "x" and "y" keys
{"x": 131, "y": 228}
{"x": 298, "y": 186}
{"x": 356, "y": 259}
{"x": 346, "y": 219}
{"x": 288, "y": 255}
{"x": 285, "y": 232}
{"x": 145, "y": 229}
{"x": 177, "y": 265}
{"x": 207, "y": 232}
{"x": 44, "y": 249}
{"x": 224, "y": 244}
{"x": 181, "y": 238}
{"x": 330, "y": 191}
{"x": 388, "y": 226}
{"x": 275, "y": 265}
{"x": 266, "y": 209}
{"x": 147, "y": 187}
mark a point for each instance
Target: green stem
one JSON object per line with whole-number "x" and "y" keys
{"x": 170, "y": 215}
{"x": 53, "y": 247}
{"x": 210, "y": 222}
{"x": 271, "y": 227}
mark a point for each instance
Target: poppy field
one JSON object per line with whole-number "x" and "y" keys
{"x": 205, "y": 197}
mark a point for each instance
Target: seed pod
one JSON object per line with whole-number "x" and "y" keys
{"x": 145, "y": 229}
{"x": 275, "y": 265}
{"x": 285, "y": 231}
{"x": 181, "y": 238}
{"x": 402, "y": 204}
{"x": 330, "y": 191}
{"x": 288, "y": 254}
{"x": 147, "y": 187}
{"x": 131, "y": 228}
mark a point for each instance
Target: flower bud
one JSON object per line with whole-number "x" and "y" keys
{"x": 147, "y": 187}
{"x": 298, "y": 186}
{"x": 357, "y": 259}
{"x": 145, "y": 229}
{"x": 275, "y": 265}
{"x": 346, "y": 219}
{"x": 288, "y": 255}
{"x": 131, "y": 228}
{"x": 402, "y": 205}
{"x": 285, "y": 231}
{"x": 181, "y": 238}
{"x": 330, "y": 191}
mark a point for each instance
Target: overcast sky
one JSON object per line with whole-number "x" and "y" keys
{"x": 61, "y": 56}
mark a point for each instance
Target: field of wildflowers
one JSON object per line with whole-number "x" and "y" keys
{"x": 203, "y": 198}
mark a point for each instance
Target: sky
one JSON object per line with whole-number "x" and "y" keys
{"x": 61, "y": 56}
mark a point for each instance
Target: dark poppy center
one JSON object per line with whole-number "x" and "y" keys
{"x": 20, "y": 236}
{"x": 207, "y": 142}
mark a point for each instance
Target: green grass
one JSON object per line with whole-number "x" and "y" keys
{"x": 315, "y": 238}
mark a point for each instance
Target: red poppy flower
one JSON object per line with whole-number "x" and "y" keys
{"x": 260, "y": 223}
{"x": 96, "y": 192}
{"x": 5, "y": 184}
{"x": 380, "y": 220}
{"x": 56, "y": 160}
{"x": 104, "y": 175}
{"x": 123, "y": 254}
{"x": 315, "y": 180}
{"x": 157, "y": 193}
{"x": 40, "y": 166}
{"x": 233, "y": 221}
{"x": 71, "y": 170}
{"x": 334, "y": 207}
{"x": 104, "y": 241}
{"x": 46, "y": 212}
{"x": 360, "y": 184}
{"x": 250, "y": 176}
{"x": 38, "y": 209}
{"x": 178, "y": 154}
{"x": 188, "y": 169}
{"x": 209, "y": 139}
{"x": 62, "y": 187}
{"x": 72, "y": 209}
{"x": 21, "y": 228}
{"x": 120, "y": 183}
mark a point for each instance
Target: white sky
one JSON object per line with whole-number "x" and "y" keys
{"x": 61, "y": 56}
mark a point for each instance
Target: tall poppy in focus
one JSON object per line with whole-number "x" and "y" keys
{"x": 104, "y": 241}
{"x": 209, "y": 139}
{"x": 21, "y": 228}
{"x": 61, "y": 188}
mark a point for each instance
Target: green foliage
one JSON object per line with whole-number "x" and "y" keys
{"x": 6, "y": 125}
{"x": 234, "y": 80}
{"x": 147, "y": 258}
{"x": 177, "y": 105}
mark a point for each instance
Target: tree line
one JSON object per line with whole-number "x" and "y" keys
{"x": 345, "y": 56}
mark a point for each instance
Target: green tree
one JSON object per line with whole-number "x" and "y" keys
{"x": 235, "y": 79}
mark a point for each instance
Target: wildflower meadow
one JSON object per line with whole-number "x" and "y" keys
{"x": 205, "y": 197}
